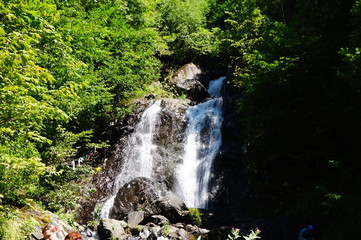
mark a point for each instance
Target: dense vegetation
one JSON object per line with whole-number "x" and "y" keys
{"x": 297, "y": 65}
{"x": 68, "y": 69}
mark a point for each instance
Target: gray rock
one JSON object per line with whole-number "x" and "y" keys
{"x": 155, "y": 231}
{"x": 133, "y": 238}
{"x": 169, "y": 230}
{"x": 191, "y": 228}
{"x": 162, "y": 238}
{"x": 145, "y": 233}
{"x": 159, "y": 220}
{"x": 109, "y": 229}
{"x": 179, "y": 225}
{"x": 124, "y": 224}
{"x": 171, "y": 133}
{"x": 170, "y": 206}
{"x": 134, "y": 218}
{"x": 137, "y": 194}
{"x": 203, "y": 230}
{"x": 183, "y": 234}
{"x": 186, "y": 81}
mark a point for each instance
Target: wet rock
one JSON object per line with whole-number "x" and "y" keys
{"x": 171, "y": 133}
{"x": 137, "y": 194}
{"x": 140, "y": 104}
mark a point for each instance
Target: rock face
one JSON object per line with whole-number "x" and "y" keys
{"x": 171, "y": 133}
{"x": 171, "y": 128}
{"x": 186, "y": 81}
{"x": 139, "y": 199}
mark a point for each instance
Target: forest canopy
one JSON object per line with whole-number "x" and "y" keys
{"x": 70, "y": 68}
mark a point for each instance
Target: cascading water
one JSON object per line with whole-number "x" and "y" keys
{"x": 203, "y": 140}
{"x": 138, "y": 155}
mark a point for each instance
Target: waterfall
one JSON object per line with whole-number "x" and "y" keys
{"x": 138, "y": 154}
{"x": 203, "y": 140}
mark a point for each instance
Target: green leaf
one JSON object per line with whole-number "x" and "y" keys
{"x": 2, "y": 32}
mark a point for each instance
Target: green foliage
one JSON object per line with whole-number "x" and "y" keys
{"x": 27, "y": 102}
{"x": 253, "y": 235}
{"x": 299, "y": 99}
{"x": 66, "y": 217}
{"x": 176, "y": 20}
{"x": 120, "y": 57}
{"x": 61, "y": 191}
{"x": 92, "y": 224}
{"x": 184, "y": 31}
{"x": 24, "y": 107}
{"x": 166, "y": 230}
{"x": 235, "y": 234}
{"x": 15, "y": 226}
{"x": 244, "y": 27}
{"x": 196, "y": 215}
{"x": 20, "y": 169}
{"x": 67, "y": 69}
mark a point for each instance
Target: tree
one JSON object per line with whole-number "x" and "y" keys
{"x": 296, "y": 110}
{"x": 26, "y": 104}
{"x": 184, "y": 31}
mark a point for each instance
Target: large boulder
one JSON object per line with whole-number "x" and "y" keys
{"x": 170, "y": 206}
{"x": 111, "y": 229}
{"x": 138, "y": 194}
{"x": 141, "y": 195}
{"x": 186, "y": 81}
